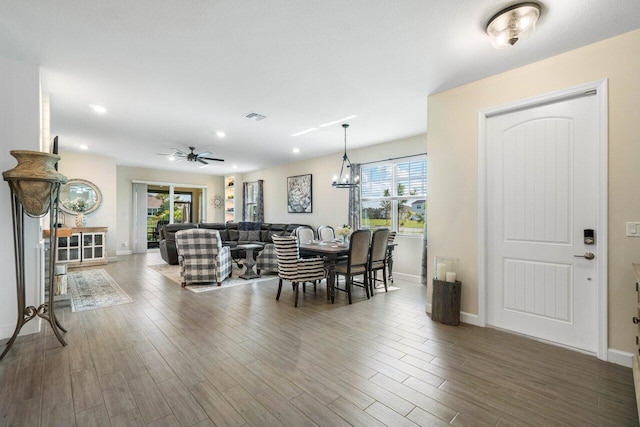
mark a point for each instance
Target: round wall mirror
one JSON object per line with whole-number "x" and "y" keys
{"x": 79, "y": 196}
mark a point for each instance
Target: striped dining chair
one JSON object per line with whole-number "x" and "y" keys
{"x": 293, "y": 268}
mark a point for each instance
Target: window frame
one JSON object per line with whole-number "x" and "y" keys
{"x": 394, "y": 198}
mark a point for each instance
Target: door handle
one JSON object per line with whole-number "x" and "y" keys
{"x": 587, "y": 255}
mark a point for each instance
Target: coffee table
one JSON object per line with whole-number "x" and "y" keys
{"x": 250, "y": 263}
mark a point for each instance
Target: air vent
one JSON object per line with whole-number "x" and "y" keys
{"x": 255, "y": 116}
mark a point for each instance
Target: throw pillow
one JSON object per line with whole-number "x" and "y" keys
{"x": 244, "y": 236}
{"x": 233, "y": 235}
{"x": 254, "y": 236}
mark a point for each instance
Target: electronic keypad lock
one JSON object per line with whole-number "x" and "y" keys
{"x": 589, "y": 237}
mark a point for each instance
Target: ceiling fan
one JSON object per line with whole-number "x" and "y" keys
{"x": 179, "y": 155}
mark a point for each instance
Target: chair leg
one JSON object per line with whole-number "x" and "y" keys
{"x": 279, "y": 289}
{"x": 384, "y": 277}
{"x": 183, "y": 284}
{"x": 295, "y": 294}
{"x": 366, "y": 283}
{"x": 348, "y": 280}
{"x": 304, "y": 287}
{"x": 373, "y": 279}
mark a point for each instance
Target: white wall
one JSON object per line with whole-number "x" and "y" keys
{"x": 331, "y": 205}
{"x": 19, "y": 130}
{"x": 101, "y": 171}
{"x": 124, "y": 205}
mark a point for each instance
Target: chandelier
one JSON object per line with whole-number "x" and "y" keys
{"x": 346, "y": 178}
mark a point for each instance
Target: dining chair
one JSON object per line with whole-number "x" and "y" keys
{"x": 356, "y": 263}
{"x": 304, "y": 234}
{"x": 389, "y": 260}
{"x": 293, "y": 268}
{"x": 326, "y": 233}
{"x": 378, "y": 258}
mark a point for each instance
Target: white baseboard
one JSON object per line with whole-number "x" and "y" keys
{"x": 620, "y": 357}
{"x": 33, "y": 327}
{"x": 124, "y": 252}
{"x": 407, "y": 277}
{"x": 468, "y": 318}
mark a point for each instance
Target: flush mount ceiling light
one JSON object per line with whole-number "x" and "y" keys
{"x": 345, "y": 179}
{"x": 512, "y": 24}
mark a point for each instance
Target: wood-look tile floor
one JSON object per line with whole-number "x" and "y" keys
{"x": 238, "y": 357}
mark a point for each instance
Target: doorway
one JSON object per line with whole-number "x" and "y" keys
{"x": 542, "y": 188}
{"x": 156, "y": 204}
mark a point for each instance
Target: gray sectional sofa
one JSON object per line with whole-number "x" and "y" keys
{"x": 231, "y": 233}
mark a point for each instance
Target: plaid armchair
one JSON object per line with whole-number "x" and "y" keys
{"x": 267, "y": 260}
{"x": 202, "y": 257}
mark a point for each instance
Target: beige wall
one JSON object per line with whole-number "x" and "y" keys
{"x": 101, "y": 171}
{"x": 125, "y": 176}
{"x": 453, "y": 172}
{"x": 330, "y": 205}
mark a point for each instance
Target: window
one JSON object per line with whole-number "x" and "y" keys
{"x": 394, "y": 195}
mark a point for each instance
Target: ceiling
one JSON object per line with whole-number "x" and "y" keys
{"x": 171, "y": 73}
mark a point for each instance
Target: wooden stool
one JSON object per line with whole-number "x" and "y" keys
{"x": 445, "y": 302}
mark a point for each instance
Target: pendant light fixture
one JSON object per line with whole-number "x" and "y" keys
{"x": 346, "y": 178}
{"x": 512, "y": 24}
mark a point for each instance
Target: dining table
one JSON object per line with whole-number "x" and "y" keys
{"x": 331, "y": 251}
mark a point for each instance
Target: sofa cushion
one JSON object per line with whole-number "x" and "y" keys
{"x": 253, "y": 235}
{"x": 234, "y": 235}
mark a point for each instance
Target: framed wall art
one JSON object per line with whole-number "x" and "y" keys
{"x": 299, "y": 197}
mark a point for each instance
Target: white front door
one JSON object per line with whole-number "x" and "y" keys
{"x": 542, "y": 193}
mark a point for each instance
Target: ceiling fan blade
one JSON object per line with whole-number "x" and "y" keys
{"x": 202, "y": 161}
{"x": 178, "y": 151}
{"x": 211, "y": 159}
{"x": 205, "y": 154}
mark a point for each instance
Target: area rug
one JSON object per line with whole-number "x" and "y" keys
{"x": 93, "y": 289}
{"x": 172, "y": 272}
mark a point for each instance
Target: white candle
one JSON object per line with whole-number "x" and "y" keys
{"x": 450, "y": 276}
{"x": 441, "y": 270}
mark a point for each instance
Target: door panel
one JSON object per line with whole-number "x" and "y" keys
{"x": 541, "y": 194}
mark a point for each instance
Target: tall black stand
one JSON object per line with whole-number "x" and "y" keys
{"x": 45, "y": 310}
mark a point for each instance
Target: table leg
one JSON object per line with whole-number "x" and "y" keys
{"x": 331, "y": 279}
{"x": 250, "y": 263}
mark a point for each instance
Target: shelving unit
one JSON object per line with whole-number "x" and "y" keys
{"x": 229, "y": 198}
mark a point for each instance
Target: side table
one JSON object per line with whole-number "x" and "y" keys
{"x": 250, "y": 262}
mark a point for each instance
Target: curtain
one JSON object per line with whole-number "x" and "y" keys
{"x": 140, "y": 218}
{"x": 354, "y": 199}
{"x": 425, "y": 260}
{"x": 245, "y": 197}
{"x": 260, "y": 200}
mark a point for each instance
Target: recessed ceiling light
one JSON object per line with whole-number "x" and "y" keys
{"x": 220, "y": 134}
{"x": 204, "y": 166}
{"x": 304, "y": 131}
{"x": 171, "y": 158}
{"x": 234, "y": 166}
{"x": 296, "y": 150}
{"x": 83, "y": 146}
{"x": 335, "y": 122}
{"x": 98, "y": 108}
